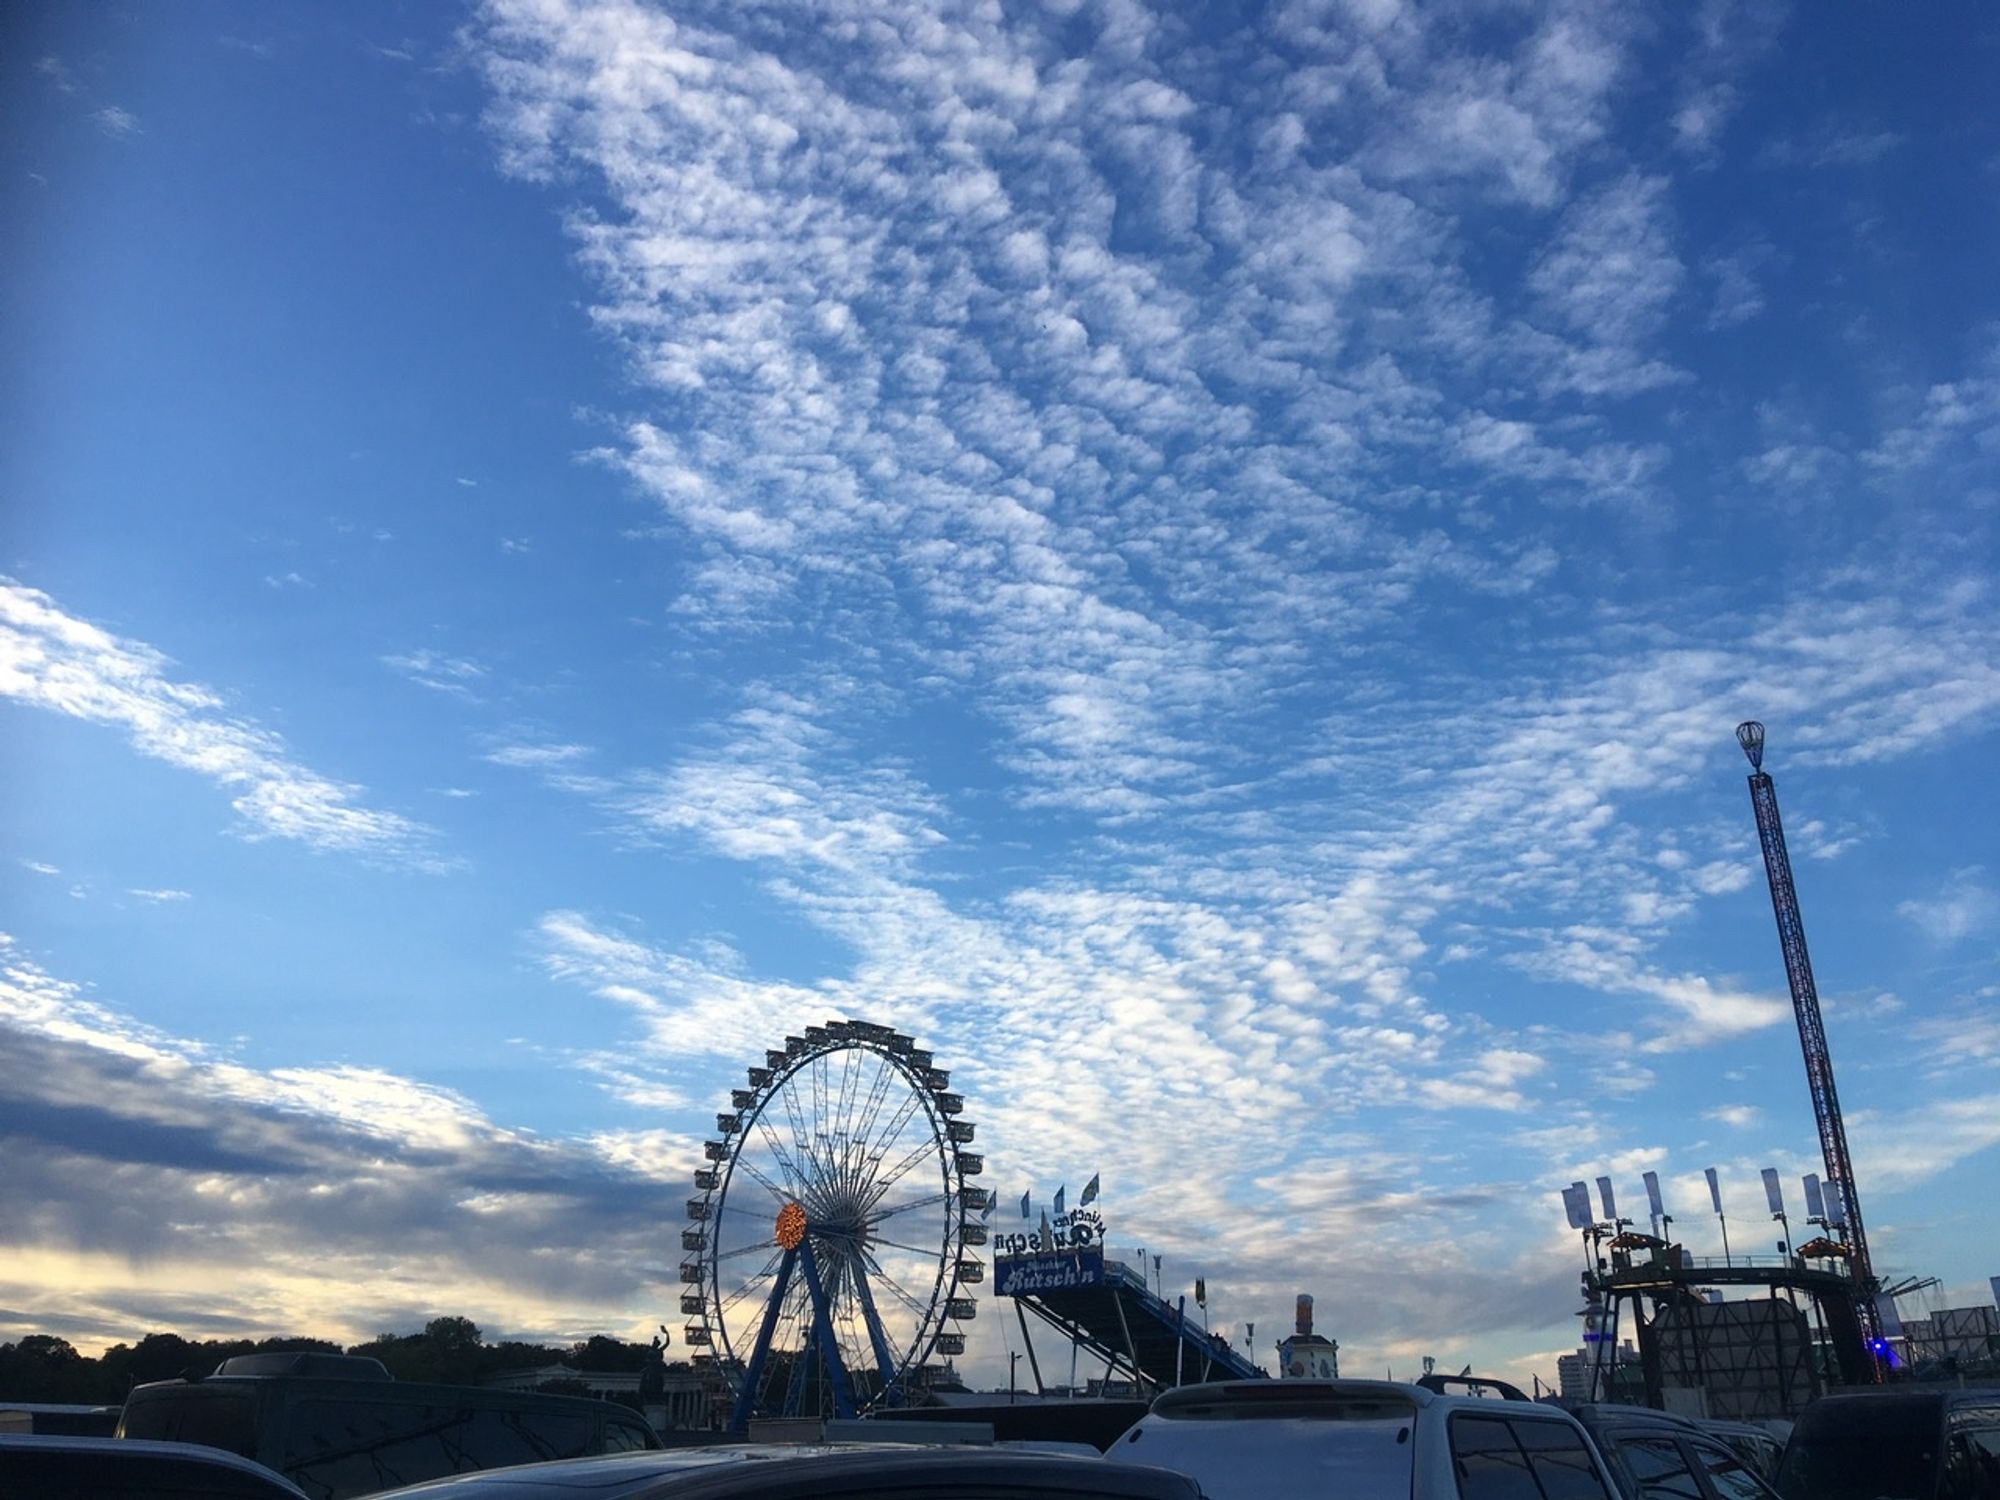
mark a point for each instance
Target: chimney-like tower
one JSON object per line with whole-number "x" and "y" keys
{"x": 1305, "y": 1355}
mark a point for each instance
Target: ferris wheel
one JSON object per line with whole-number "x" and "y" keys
{"x": 829, "y": 1248}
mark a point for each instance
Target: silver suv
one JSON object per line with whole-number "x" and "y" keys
{"x": 1365, "y": 1440}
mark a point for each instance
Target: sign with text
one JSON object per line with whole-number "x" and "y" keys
{"x": 1025, "y": 1275}
{"x": 1079, "y": 1229}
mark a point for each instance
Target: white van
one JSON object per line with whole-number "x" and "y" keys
{"x": 1365, "y": 1440}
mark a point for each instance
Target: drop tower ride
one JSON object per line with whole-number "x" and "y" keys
{"x": 1812, "y": 1031}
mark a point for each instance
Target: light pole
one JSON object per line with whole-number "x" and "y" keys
{"x": 1013, "y": 1358}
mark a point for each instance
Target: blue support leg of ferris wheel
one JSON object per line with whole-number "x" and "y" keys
{"x": 843, "y": 1394}
{"x": 892, "y": 1394}
{"x": 746, "y": 1398}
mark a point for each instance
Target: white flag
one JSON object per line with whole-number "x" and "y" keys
{"x": 1815, "y": 1201}
{"x": 1652, "y": 1180}
{"x": 1834, "y": 1191}
{"x": 1772, "y": 1192}
{"x": 1604, "y": 1195}
{"x": 1714, "y": 1190}
{"x": 1576, "y": 1204}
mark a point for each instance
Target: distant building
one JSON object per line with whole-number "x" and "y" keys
{"x": 1573, "y": 1376}
{"x": 1957, "y": 1336}
{"x": 1305, "y": 1355}
{"x": 1620, "y": 1379}
{"x": 683, "y": 1401}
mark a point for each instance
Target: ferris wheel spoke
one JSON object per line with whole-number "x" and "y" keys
{"x": 844, "y": 1115}
{"x": 794, "y": 1174}
{"x": 850, "y": 1142}
{"x": 878, "y": 1147}
{"x": 929, "y": 1200}
{"x": 926, "y": 1250}
{"x": 751, "y": 1249}
{"x": 765, "y": 1182}
{"x": 802, "y": 1141}
{"x": 889, "y": 1179}
{"x": 753, "y": 1280}
{"x": 878, "y": 1092}
{"x": 896, "y": 1288}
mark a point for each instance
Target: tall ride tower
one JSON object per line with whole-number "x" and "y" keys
{"x": 1812, "y": 1031}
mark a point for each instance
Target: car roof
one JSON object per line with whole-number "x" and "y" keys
{"x": 134, "y": 1451}
{"x": 1279, "y": 1398}
{"x": 1596, "y": 1414}
{"x": 378, "y": 1392}
{"x": 802, "y": 1468}
{"x": 1723, "y": 1428}
{"x": 1943, "y": 1395}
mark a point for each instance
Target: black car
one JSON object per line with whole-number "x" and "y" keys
{"x": 785, "y": 1472}
{"x": 1656, "y": 1455}
{"x": 1901, "y": 1444}
{"x": 338, "y": 1426}
{"x": 49, "y": 1467}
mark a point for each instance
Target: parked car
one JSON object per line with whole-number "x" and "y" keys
{"x": 64, "y": 1467}
{"x": 1941, "y": 1443}
{"x": 788, "y": 1472}
{"x": 338, "y": 1426}
{"x": 1758, "y": 1447}
{"x": 1365, "y": 1440}
{"x": 1657, "y": 1455}
{"x": 64, "y": 1418}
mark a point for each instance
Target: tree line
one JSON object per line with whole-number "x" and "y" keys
{"x": 451, "y": 1351}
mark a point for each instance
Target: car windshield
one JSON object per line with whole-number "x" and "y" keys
{"x": 1254, "y": 1460}
{"x": 1867, "y": 1451}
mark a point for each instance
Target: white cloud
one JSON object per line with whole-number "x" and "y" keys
{"x": 454, "y": 675}
{"x": 1963, "y": 907}
{"x": 1699, "y": 1011}
{"x": 116, "y": 122}
{"x": 537, "y": 756}
{"x": 55, "y": 661}
{"x": 1610, "y": 273}
{"x": 159, "y": 896}
{"x": 322, "y": 1167}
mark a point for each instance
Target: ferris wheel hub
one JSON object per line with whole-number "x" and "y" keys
{"x": 792, "y": 1226}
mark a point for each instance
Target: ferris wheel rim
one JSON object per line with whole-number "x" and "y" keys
{"x": 852, "y": 1196}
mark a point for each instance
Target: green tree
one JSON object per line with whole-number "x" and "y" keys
{"x": 454, "y": 1350}
{"x": 157, "y": 1356}
{"x": 600, "y": 1353}
{"x": 43, "y": 1367}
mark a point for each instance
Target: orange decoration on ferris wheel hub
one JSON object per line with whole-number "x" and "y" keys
{"x": 791, "y": 1226}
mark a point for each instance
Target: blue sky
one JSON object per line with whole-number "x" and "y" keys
{"x": 1206, "y": 569}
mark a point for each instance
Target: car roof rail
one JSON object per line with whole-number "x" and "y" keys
{"x": 305, "y": 1362}
{"x": 1471, "y": 1385}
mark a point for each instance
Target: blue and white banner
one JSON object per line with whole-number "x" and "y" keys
{"x": 1576, "y": 1205}
{"x": 1030, "y": 1274}
{"x": 1772, "y": 1192}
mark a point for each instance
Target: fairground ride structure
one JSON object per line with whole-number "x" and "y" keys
{"x": 831, "y": 1246}
{"x": 1812, "y": 1035}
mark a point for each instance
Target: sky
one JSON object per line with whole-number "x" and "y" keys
{"x": 1201, "y": 561}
